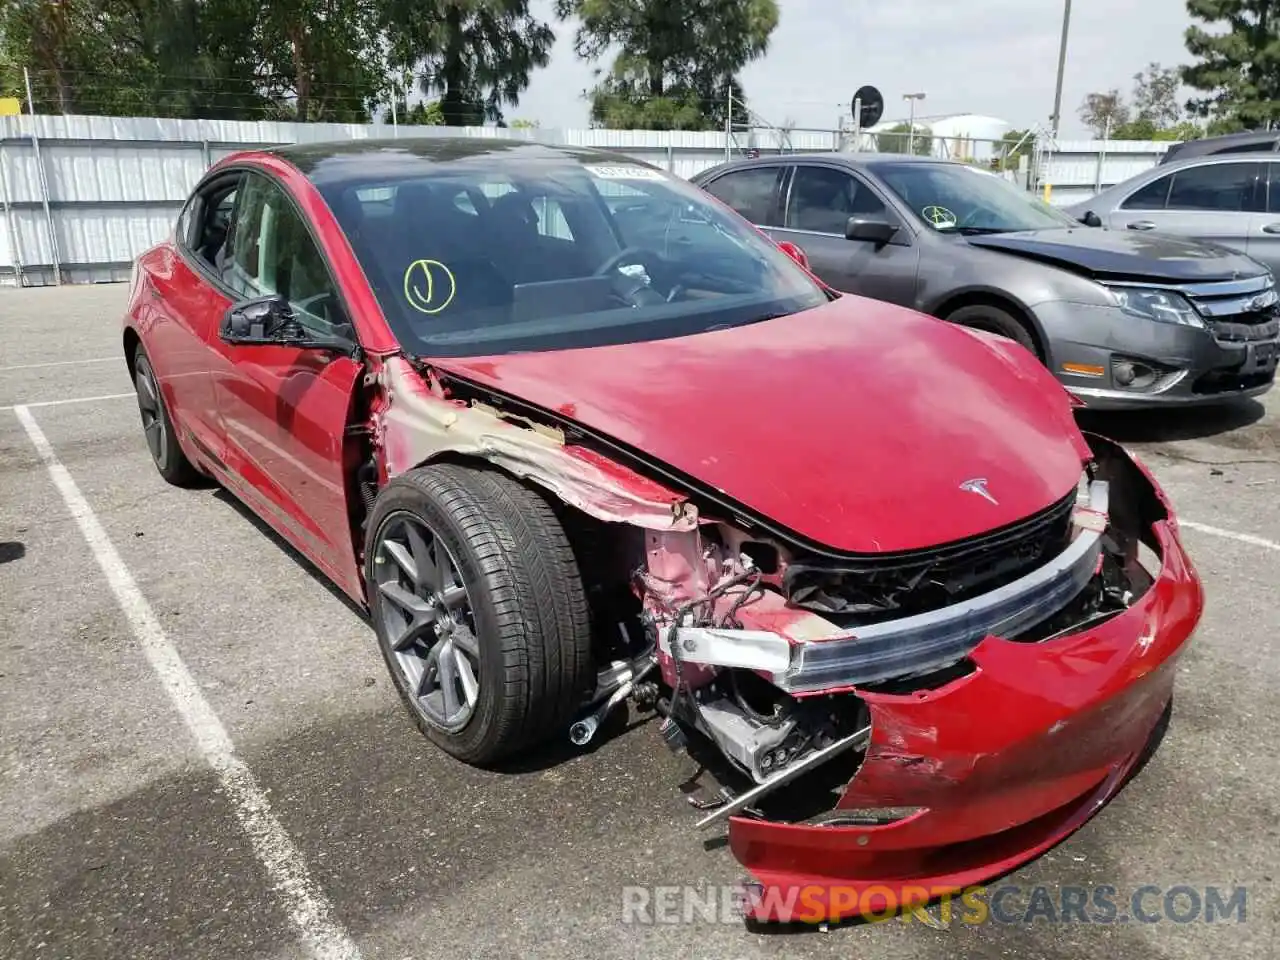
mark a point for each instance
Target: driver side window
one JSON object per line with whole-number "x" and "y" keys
{"x": 822, "y": 199}
{"x": 270, "y": 251}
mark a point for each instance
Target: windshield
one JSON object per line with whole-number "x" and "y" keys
{"x": 954, "y": 198}
{"x": 500, "y": 254}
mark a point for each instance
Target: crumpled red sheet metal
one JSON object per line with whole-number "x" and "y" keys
{"x": 1002, "y": 763}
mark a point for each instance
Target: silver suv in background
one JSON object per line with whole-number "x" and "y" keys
{"x": 1122, "y": 317}
{"x": 1231, "y": 199}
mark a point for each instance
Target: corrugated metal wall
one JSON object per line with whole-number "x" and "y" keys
{"x": 87, "y": 194}
{"x": 1077, "y": 166}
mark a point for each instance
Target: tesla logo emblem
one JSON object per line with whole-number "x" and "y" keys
{"x": 978, "y": 485}
{"x": 429, "y": 286}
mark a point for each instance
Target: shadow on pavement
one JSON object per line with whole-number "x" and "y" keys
{"x": 1154, "y": 426}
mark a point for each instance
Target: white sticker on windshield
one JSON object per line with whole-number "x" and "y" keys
{"x": 625, "y": 172}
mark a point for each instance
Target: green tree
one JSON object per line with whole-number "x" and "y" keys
{"x": 1155, "y": 96}
{"x": 475, "y": 55}
{"x": 58, "y": 41}
{"x": 1237, "y": 68}
{"x": 1101, "y": 112}
{"x": 295, "y": 59}
{"x": 424, "y": 113}
{"x": 676, "y": 65}
{"x": 320, "y": 58}
{"x": 1153, "y": 113}
{"x": 1013, "y": 146}
{"x": 897, "y": 139}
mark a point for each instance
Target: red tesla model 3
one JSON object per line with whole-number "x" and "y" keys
{"x": 578, "y": 435}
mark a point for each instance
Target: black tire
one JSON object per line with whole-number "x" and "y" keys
{"x": 994, "y": 319}
{"x": 157, "y": 426}
{"x": 526, "y": 600}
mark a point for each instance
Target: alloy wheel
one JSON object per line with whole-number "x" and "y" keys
{"x": 149, "y": 406}
{"x": 427, "y": 614}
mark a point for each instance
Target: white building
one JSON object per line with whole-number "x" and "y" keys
{"x": 966, "y": 136}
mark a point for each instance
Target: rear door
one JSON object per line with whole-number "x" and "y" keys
{"x": 1264, "y": 230}
{"x": 185, "y": 310}
{"x": 1216, "y": 200}
{"x": 818, "y": 201}
{"x": 284, "y": 410}
{"x": 752, "y": 191}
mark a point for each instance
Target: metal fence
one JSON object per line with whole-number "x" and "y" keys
{"x": 81, "y": 196}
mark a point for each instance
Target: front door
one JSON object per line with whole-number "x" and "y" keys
{"x": 284, "y": 410}
{"x": 818, "y": 204}
{"x": 1215, "y": 201}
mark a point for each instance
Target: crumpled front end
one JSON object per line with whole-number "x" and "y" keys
{"x": 965, "y": 779}
{"x": 884, "y": 726}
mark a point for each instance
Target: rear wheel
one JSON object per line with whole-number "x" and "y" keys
{"x": 479, "y": 610}
{"x": 157, "y": 426}
{"x": 993, "y": 319}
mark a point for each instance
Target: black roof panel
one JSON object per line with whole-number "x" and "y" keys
{"x": 344, "y": 160}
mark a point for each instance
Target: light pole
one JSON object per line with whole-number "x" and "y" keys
{"x": 911, "y": 135}
{"x": 1062, "y": 66}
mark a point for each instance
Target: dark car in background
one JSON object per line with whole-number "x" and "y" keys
{"x": 1122, "y": 318}
{"x": 1250, "y": 142}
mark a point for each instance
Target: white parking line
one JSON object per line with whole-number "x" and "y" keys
{"x": 61, "y": 363}
{"x": 306, "y": 905}
{"x": 58, "y": 403}
{"x": 1248, "y": 538}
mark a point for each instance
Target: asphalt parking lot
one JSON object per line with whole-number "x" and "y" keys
{"x": 118, "y": 838}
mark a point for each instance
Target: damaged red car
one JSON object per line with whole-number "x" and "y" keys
{"x": 579, "y": 436}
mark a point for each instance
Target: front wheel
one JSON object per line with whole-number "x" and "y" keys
{"x": 993, "y": 319}
{"x": 479, "y": 609}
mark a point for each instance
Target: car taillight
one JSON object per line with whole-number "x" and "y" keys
{"x": 794, "y": 252}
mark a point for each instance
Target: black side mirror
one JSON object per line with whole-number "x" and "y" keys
{"x": 261, "y": 320}
{"x": 1091, "y": 219}
{"x": 269, "y": 320}
{"x": 878, "y": 232}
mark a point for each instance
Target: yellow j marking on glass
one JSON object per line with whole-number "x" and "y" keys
{"x": 420, "y": 285}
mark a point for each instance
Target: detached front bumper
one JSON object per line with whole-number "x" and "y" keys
{"x": 998, "y": 765}
{"x": 1093, "y": 350}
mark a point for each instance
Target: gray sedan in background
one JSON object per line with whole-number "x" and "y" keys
{"x": 1123, "y": 318}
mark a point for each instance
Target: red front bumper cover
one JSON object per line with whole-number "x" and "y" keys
{"x": 1002, "y": 763}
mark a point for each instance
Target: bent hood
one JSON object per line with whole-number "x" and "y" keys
{"x": 855, "y": 424}
{"x": 1125, "y": 255}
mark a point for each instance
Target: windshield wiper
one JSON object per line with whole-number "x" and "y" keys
{"x": 980, "y": 231}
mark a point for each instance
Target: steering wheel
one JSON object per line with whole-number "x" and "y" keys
{"x": 638, "y": 255}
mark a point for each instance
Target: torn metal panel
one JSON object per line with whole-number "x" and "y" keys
{"x": 415, "y": 424}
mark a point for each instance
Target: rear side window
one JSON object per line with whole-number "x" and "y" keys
{"x": 1214, "y": 187}
{"x": 750, "y": 192}
{"x": 1222, "y": 187}
{"x": 1273, "y": 187}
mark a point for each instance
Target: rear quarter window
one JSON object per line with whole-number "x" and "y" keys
{"x": 750, "y": 193}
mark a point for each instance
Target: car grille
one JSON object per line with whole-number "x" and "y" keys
{"x": 879, "y": 587}
{"x": 1237, "y": 311}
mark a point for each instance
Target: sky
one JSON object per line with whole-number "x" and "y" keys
{"x": 997, "y": 58}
